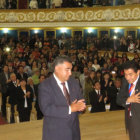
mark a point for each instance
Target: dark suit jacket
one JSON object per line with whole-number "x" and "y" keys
{"x": 135, "y": 107}
{"x": 112, "y": 97}
{"x": 58, "y": 123}
{"x": 21, "y": 99}
{"x": 3, "y": 84}
{"x": 25, "y": 76}
{"x": 94, "y": 101}
{"x": 12, "y": 93}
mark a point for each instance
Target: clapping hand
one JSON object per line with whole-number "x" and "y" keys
{"x": 78, "y": 105}
{"x": 134, "y": 98}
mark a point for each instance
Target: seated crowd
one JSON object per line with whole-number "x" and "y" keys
{"x": 29, "y": 62}
{"x": 38, "y": 4}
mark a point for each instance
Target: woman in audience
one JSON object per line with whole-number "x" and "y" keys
{"x": 124, "y": 57}
{"x": 106, "y": 82}
{"x": 75, "y": 72}
{"x": 95, "y": 65}
{"x": 114, "y": 58}
{"x": 98, "y": 75}
{"x": 89, "y": 81}
{"x": 24, "y": 101}
{"x": 44, "y": 69}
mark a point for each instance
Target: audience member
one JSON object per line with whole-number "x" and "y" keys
{"x": 2, "y": 4}
{"x": 97, "y": 98}
{"x": 33, "y": 4}
{"x": 24, "y": 101}
{"x": 112, "y": 95}
{"x": 4, "y": 80}
{"x": 89, "y": 81}
{"x": 12, "y": 93}
{"x": 39, "y": 113}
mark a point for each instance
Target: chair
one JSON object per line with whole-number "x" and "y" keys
{"x": 8, "y": 110}
{"x": 33, "y": 115}
{"x": 16, "y": 114}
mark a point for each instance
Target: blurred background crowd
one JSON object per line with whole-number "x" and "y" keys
{"x": 38, "y": 4}
{"x": 97, "y": 66}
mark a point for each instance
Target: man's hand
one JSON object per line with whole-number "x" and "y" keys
{"x": 105, "y": 99}
{"x": 78, "y": 105}
{"x": 100, "y": 98}
{"x": 134, "y": 98}
{"x": 28, "y": 94}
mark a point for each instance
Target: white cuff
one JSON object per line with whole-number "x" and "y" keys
{"x": 69, "y": 110}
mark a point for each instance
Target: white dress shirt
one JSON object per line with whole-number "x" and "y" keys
{"x": 61, "y": 87}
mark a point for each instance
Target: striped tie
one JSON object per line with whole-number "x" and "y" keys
{"x": 131, "y": 86}
{"x": 66, "y": 94}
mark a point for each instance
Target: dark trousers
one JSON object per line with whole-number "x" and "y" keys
{"x": 12, "y": 120}
{"x": 24, "y": 114}
{"x": 3, "y": 105}
{"x": 133, "y": 132}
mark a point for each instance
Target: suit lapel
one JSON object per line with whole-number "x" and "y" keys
{"x": 137, "y": 88}
{"x": 57, "y": 91}
{"x": 71, "y": 91}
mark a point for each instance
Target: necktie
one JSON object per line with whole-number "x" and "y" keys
{"x": 98, "y": 93}
{"x": 131, "y": 86}
{"x": 66, "y": 94}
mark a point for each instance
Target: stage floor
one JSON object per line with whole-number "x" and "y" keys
{"x": 99, "y": 126}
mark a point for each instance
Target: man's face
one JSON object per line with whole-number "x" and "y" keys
{"x": 117, "y": 84}
{"x": 21, "y": 70}
{"x": 131, "y": 75}
{"x": 63, "y": 71}
{"x": 13, "y": 77}
{"x": 5, "y": 68}
{"x": 97, "y": 86}
{"x": 42, "y": 78}
{"x": 85, "y": 70}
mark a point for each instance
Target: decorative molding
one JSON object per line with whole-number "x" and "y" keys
{"x": 72, "y": 24}
{"x": 96, "y": 16}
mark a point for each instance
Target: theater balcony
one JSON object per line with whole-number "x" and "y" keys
{"x": 99, "y": 16}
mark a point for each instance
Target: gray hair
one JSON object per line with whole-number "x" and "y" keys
{"x": 60, "y": 60}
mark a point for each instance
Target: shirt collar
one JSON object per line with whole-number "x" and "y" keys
{"x": 56, "y": 78}
{"x": 136, "y": 81}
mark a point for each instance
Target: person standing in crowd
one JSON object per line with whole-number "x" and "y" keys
{"x": 12, "y": 93}
{"x": 2, "y": 4}
{"x": 83, "y": 77}
{"x": 35, "y": 76}
{"x": 112, "y": 95}
{"x": 97, "y": 98}
{"x": 60, "y": 101}
{"x": 24, "y": 101}
{"x": 32, "y": 86}
{"x": 39, "y": 113}
{"x": 89, "y": 81}
{"x": 21, "y": 74}
{"x": 129, "y": 97}
{"x": 4, "y": 80}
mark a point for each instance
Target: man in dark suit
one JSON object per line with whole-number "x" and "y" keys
{"x": 129, "y": 98}
{"x": 4, "y": 80}
{"x": 12, "y": 93}
{"x": 60, "y": 100}
{"x": 97, "y": 98}
{"x": 112, "y": 95}
{"x": 39, "y": 113}
{"x": 21, "y": 74}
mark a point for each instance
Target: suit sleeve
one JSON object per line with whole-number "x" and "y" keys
{"x": 47, "y": 106}
{"x": 123, "y": 95}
